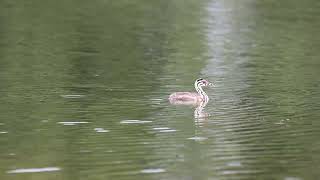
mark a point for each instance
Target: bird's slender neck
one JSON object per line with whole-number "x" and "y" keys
{"x": 200, "y": 91}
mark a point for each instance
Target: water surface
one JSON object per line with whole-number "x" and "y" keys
{"x": 84, "y": 89}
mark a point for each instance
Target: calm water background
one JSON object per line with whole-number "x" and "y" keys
{"x": 101, "y": 63}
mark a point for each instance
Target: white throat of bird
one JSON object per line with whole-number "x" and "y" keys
{"x": 200, "y": 91}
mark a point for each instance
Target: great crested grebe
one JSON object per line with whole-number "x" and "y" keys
{"x": 191, "y": 98}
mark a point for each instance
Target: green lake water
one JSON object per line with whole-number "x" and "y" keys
{"x": 84, "y": 88}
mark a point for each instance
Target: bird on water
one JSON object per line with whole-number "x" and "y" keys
{"x": 192, "y": 98}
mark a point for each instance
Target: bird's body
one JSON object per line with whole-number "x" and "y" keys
{"x": 191, "y": 98}
{"x": 185, "y": 97}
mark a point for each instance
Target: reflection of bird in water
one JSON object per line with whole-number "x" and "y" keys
{"x": 199, "y": 99}
{"x": 191, "y": 98}
{"x": 199, "y": 114}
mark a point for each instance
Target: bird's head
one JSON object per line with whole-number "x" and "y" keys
{"x": 203, "y": 82}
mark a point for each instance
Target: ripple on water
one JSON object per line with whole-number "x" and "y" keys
{"x": 134, "y": 122}
{"x": 292, "y": 178}
{"x": 164, "y": 129}
{"x": 72, "y": 96}
{"x": 168, "y": 130}
{"x": 156, "y": 170}
{"x": 100, "y": 130}
{"x": 160, "y": 128}
{"x": 71, "y": 123}
{"x": 197, "y": 138}
{"x": 34, "y": 170}
{"x": 234, "y": 164}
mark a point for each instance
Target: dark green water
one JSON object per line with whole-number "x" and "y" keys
{"x": 100, "y": 63}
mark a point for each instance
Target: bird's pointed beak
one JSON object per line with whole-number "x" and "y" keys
{"x": 210, "y": 84}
